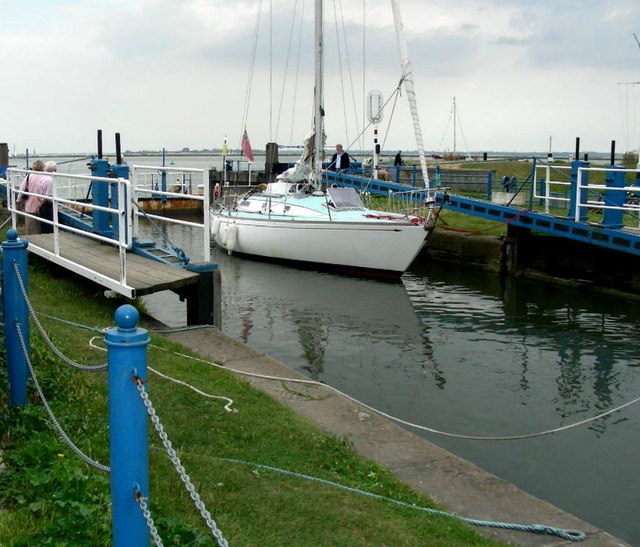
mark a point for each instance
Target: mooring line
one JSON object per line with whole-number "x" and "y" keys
{"x": 400, "y": 420}
{"x": 571, "y": 535}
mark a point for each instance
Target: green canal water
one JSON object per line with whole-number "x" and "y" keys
{"x": 468, "y": 353}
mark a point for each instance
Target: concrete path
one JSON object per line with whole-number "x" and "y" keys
{"x": 453, "y": 482}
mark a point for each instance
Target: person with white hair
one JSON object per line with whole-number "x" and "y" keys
{"x": 34, "y": 182}
{"x": 37, "y": 182}
{"x": 46, "y": 206}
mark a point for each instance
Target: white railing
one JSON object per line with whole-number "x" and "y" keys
{"x": 547, "y": 197}
{"x": 594, "y": 200}
{"x": 599, "y": 189}
{"x": 123, "y": 213}
{"x": 146, "y": 182}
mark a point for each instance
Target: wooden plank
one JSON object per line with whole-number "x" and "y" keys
{"x": 143, "y": 274}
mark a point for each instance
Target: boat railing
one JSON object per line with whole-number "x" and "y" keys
{"x": 405, "y": 202}
{"x": 166, "y": 183}
{"x": 64, "y": 205}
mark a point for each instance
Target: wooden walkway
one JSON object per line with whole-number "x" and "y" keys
{"x": 144, "y": 275}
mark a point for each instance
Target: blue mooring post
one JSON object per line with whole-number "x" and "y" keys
{"x": 117, "y": 171}
{"x": 129, "y": 450}
{"x": 14, "y": 251}
{"x": 612, "y": 218}
{"x": 100, "y": 196}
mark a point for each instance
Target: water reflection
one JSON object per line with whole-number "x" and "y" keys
{"x": 534, "y": 330}
{"x": 321, "y": 322}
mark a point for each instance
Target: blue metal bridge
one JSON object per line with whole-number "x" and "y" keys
{"x": 616, "y": 200}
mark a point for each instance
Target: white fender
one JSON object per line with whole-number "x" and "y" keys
{"x": 215, "y": 226}
{"x": 224, "y": 233}
{"x": 232, "y": 237}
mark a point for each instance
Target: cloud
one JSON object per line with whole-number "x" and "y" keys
{"x": 175, "y": 74}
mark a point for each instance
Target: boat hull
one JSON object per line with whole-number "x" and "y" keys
{"x": 385, "y": 248}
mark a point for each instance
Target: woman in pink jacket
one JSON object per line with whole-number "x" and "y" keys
{"x": 36, "y": 182}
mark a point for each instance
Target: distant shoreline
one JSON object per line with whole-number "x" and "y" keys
{"x": 431, "y": 155}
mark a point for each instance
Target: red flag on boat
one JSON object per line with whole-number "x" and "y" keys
{"x": 246, "y": 146}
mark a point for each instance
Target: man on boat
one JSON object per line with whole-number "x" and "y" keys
{"x": 340, "y": 160}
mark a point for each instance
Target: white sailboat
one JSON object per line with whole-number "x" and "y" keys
{"x": 295, "y": 219}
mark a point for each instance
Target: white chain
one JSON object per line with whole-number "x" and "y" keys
{"x": 173, "y": 456}
{"x": 142, "y": 502}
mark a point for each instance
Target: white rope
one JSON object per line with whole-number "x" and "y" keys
{"x": 247, "y": 99}
{"x": 286, "y": 70}
{"x": 404, "y": 422}
{"x": 177, "y": 463}
{"x": 339, "y": 51}
{"x": 389, "y": 416}
{"x": 227, "y": 407}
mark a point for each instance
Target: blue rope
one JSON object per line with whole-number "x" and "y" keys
{"x": 85, "y": 327}
{"x": 101, "y": 331}
{"x": 571, "y": 535}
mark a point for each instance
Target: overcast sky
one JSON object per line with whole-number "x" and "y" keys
{"x": 174, "y": 74}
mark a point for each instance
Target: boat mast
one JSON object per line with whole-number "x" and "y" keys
{"x": 318, "y": 98}
{"x": 407, "y": 78}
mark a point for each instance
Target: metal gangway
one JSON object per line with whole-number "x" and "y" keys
{"x": 95, "y": 229}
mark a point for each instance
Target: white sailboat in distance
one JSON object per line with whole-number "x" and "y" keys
{"x": 298, "y": 219}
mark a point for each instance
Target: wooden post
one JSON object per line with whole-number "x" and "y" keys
{"x": 204, "y": 304}
{"x": 4, "y": 154}
{"x": 272, "y": 159}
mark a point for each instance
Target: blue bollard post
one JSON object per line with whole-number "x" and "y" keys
{"x": 14, "y": 251}
{"x": 129, "y": 451}
{"x": 578, "y": 197}
{"x": 117, "y": 171}
{"x": 612, "y": 218}
{"x": 100, "y": 196}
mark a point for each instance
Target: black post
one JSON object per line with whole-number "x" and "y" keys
{"x": 118, "y": 152}
{"x": 4, "y": 154}
{"x": 577, "y": 155}
{"x": 484, "y": 156}
{"x": 99, "y": 144}
{"x": 613, "y": 153}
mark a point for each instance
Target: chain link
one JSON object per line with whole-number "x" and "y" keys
{"x": 52, "y": 417}
{"x": 142, "y": 502}
{"x": 173, "y": 456}
{"x": 44, "y": 334}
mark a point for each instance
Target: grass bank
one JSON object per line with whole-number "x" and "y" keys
{"x": 48, "y": 496}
